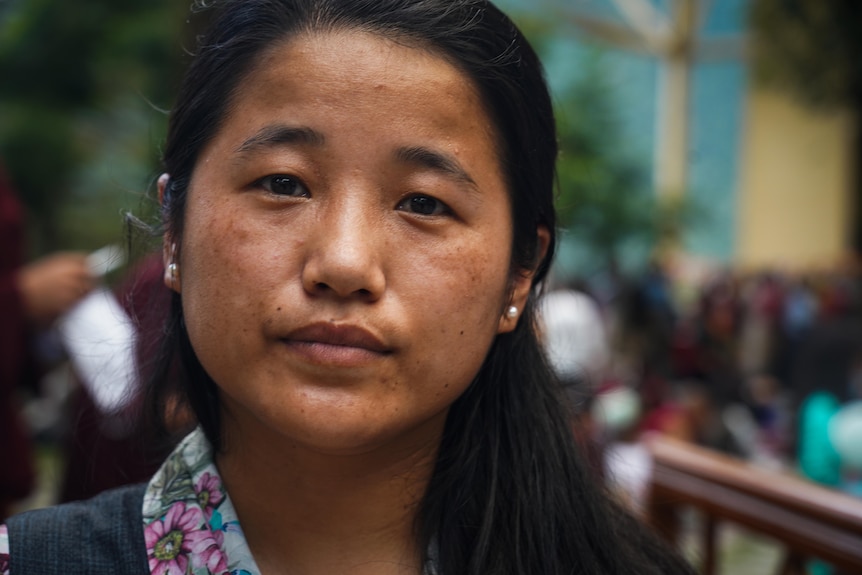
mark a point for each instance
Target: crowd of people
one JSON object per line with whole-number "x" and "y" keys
{"x": 740, "y": 362}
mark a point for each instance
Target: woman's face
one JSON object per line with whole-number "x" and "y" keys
{"x": 345, "y": 262}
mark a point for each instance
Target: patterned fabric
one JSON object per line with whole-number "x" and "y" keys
{"x": 4, "y": 551}
{"x": 101, "y": 536}
{"x": 190, "y": 525}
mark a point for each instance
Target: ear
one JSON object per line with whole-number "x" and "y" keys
{"x": 169, "y": 247}
{"x": 162, "y": 184}
{"x": 522, "y": 283}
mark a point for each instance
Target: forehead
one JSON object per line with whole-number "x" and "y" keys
{"x": 362, "y": 52}
{"x": 347, "y": 68}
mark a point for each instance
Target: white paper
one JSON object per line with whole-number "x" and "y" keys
{"x": 106, "y": 259}
{"x": 99, "y": 338}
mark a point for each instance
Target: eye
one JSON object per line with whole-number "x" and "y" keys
{"x": 423, "y": 206}
{"x": 282, "y": 185}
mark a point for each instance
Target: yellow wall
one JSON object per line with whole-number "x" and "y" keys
{"x": 795, "y": 183}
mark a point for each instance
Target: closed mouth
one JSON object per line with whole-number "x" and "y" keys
{"x": 326, "y": 334}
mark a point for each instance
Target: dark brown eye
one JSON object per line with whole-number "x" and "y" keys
{"x": 423, "y": 205}
{"x": 282, "y": 185}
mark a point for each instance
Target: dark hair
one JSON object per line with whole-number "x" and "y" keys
{"x": 509, "y": 493}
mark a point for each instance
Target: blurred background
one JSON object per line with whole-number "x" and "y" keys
{"x": 709, "y": 195}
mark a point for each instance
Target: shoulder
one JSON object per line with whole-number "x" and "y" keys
{"x": 100, "y": 511}
{"x": 100, "y": 535}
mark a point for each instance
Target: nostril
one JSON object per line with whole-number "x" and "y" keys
{"x": 323, "y": 276}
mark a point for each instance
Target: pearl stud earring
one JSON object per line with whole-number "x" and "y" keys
{"x": 173, "y": 272}
{"x": 511, "y": 312}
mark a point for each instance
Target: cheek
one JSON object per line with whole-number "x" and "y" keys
{"x": 223, "y": 251}
{"x": 461, "y": 294}
{"x": 475, "y": 276}
{"x": 220, "y": 271}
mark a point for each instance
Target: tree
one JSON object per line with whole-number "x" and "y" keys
{"x": 79, "y": 72}
{"x": 811, "y": 47}
{"x": 605, "y": 199}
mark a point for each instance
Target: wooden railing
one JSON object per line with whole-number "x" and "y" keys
{"x": 810, "y": 520}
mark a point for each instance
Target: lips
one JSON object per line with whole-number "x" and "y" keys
{"x": 338, "y": 345}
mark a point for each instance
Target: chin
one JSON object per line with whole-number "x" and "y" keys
{"x": 345, "y": 434}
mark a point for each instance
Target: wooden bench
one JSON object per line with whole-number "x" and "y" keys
{"x": 810, "y": 520}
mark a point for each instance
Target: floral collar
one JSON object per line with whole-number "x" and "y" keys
{"x": 190, "y": 525}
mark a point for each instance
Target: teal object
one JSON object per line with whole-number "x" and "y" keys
{"x": 819, "y": 568}
{"x": 845, "y": 434}
{"x": 818, "y": 459}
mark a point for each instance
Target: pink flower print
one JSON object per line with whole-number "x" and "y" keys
{"x": 209, "y": 492}
{"x": 170, "y": 542}
{"x": 210, "y": 555}
{"x": 4, "y": 550}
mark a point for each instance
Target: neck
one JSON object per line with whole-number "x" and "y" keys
{"x": 304, "y": 512}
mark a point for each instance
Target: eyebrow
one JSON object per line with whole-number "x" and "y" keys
{"x": 278, "y": 135}
{"x": 435, "y": 161}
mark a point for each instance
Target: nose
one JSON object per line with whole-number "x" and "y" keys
{"x": 345, "y": 255}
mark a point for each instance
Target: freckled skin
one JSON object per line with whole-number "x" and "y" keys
{"x": 256, "y": 266}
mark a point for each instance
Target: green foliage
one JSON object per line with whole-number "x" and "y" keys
{"x": 811, "y": 46}
{"x": 85, "y": 75}
{"x": 34, "y": 144}
{"x": 605, "y": 197}
{"x": 605, "y": 200}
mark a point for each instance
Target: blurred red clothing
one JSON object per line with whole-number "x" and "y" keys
{"x": 17, "y": 368}
{"x": 105, "y": 451}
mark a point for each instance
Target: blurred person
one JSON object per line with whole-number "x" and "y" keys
{"x": 800, "y": 312}
{"x": 32, "y": 296}
{"x": 574, "y": 336}
{"x": 359, "y": 215}
{"x": 721, "y": 309}
{"x": 656, "y": 295}
{"x": 828, "y": 353}
{"x": 764, "y": 304}
{"x": 839, "y": 293}
{"x": 800, "y": 309}
{"x": 626, "y": 464}
{"x": 845, "y": 434}
{"x": 686, "y": 348}
{"x": 721, "y": 313}
{"x": 107, "y": 447}
{"x": 827, "y": 364}
{"x": 766, "y": 400}
{"x": 816, "y": 455}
